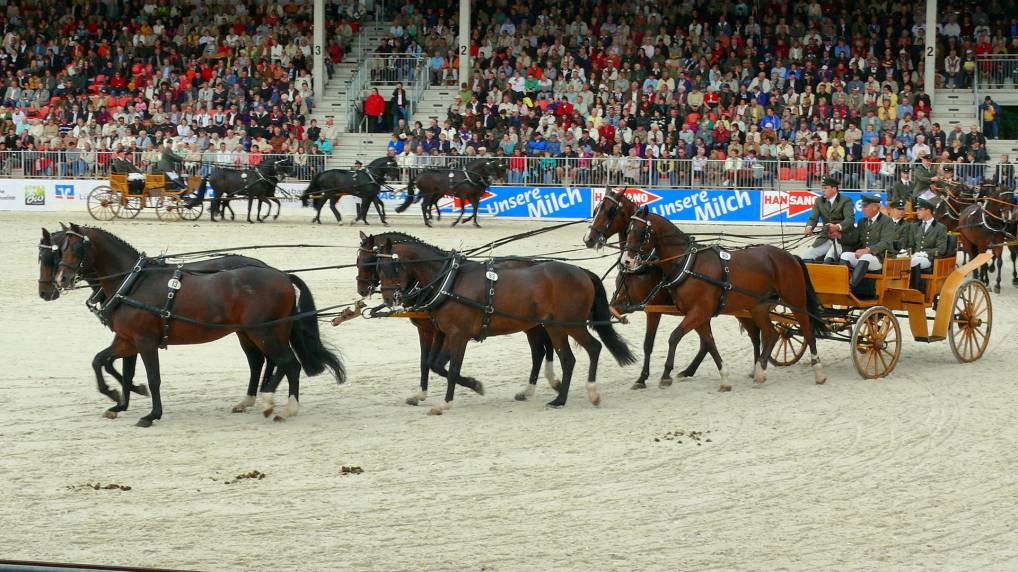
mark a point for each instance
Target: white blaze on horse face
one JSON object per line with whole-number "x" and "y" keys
{"x": 587, "y": 237}
{"x": 627, "y": 260}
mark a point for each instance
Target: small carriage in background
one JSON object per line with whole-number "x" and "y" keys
{"x": 127, "y": 194}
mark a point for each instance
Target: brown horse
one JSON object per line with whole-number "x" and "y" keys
{"x": 472, "y": 300}
{"x": 705, "y": 281}
{"x": 954, "y": 198}
{"x": 636, "y": 288}
{"x": 149, "y": 304}
{"x": 984, "y": 227}
{"x": 431, "y": 339}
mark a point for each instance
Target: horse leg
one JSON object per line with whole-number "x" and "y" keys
{"x": 425, "y": 336}
{"x": 653, "y": 321}
{"x": 150, "y": 355}
{"x": 463, "y": 211}
{"x": 593, "y": 348}
{"x": 1014, "y": 264}
{"x": 707, "y": 338}
{"x": 538, "y": 340}
{"x": 279, "y": 208}
{"x": 126, "y": 385}
{"x": 250, "y": 201}
{"x": 689, "y": 322}
{"x": 568, "y": 361}
{"x": 332, "y": 207}
{"x": 285, "y": 362}
{"x": 426, "y": 212}
{"x": 998, "y": 258}
{"x": 98, "y": 362}
{"x": 453, "y": 349}
{"x": 318, "y": 204}
{"x": 761, "y": 314}
{"x": 255, "y": 361}
{"x": 380, "y": 209}
{"x": 476, "y": 202}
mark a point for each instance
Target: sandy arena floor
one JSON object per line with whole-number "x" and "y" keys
{"x": 915, "y": 472}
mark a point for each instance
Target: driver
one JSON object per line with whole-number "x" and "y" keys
{"x": 837, "y": 212}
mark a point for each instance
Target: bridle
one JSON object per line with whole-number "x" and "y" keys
{"x": 79, "y": 252}
{"x": 48, "y": 250}
{"x": 601, "y": 233}
{"x": 645, "y": 237}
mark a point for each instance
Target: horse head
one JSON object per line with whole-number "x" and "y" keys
{"x": 76, "y": 257}
{"x": 49, "y": 262}
{"x": 384, "y": 168}
{"x": 367, "y": 266}
{"x": 639, "y": 246}
{"x": 283, "y": 165}
{"x": 609, "y": 219}
{"x": 393, "y": 278}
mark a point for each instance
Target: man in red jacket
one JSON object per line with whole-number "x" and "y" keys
{"x": 374, "y": 108}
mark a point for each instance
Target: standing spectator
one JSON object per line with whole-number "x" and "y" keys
{"x": 991, "y": 117}
{"x": 398, "y": 104}
{"x": 374, "y": 108}
{"x": 1005, "y": 174}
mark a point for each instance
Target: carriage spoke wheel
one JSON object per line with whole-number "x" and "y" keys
{"x": 169, "y": 207}
{"x": 103, "y": 203}
{"x": 130, "y": 205}
{"x": 876, "y": 343}
{"x": 791, "y": 344}
{"x": 189, "y": 212}
{"x": 971, "y": 321}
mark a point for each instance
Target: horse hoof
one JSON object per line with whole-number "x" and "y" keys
{"x": 639, "y": 385}
{"x": 821, "y": 381}
{"x": 687, "y": 373}
{"x": 478, "y": 388}
{"x": 665, "y": 382}
{"x": 596, "y": 402}
{"x": 412, "y": 401}
{"x": 996, "y": 289}
{"x": 268, "y": 412}
{"x": 521, "y": 396}
{"x": 141, "y": 389}
{"x": 143, "y": 422}
{"x": 279, "y": 419}
{"x": 238, "y": 409}
{"x": 759, "y": 380}
{"x": 436, "y": 410}
{"x": 555, "y": 404}
{"x": 110, "y": 414}
{"x": 724, "y": 388}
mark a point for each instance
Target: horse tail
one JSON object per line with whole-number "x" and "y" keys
{"x": 306, "y": 340}
{"x": 409, "y": 195}
{"x": 601, "y": 317}
{"x": 820, "y": 328}
{"x": 307, "y": 192}
{"x": 200, "y": 193}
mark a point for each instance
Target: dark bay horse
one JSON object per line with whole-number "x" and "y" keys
{"x": 467, "y": 184}
{"x": 481, "y": 299}
{"x": 259, "y": 183}
{"x": 430, "y": 338}
{"x": 49, "y": 259}
{"x": 255, "y": 302}
{"x": 984, "y": 227}
{"x": 701, "y": 287}
{"x": 365, "y": 184}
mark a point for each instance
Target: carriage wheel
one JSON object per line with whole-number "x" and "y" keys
{"x": 791, "y": 344}
{"x": 876, "y": 343}
{"x": 190, "y": 213}
{"x": 169, "y": 208}
{"x": 103, "y": 203}
{"x": 130, "y": 205}
{"x": 971, "y": 321}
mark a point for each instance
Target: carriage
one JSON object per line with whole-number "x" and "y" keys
{"x": 958, "y": 306}
{"x": 127, "y": 194}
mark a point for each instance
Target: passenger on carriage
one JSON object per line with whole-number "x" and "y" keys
{"x": 120, "y": 165}
{"x": 896, "y": 210}
{"x": 167, "y": 165}
{"x": 876, "y": 235}
{"x": 925, "y": 175}
{"x": 904, "y": 188}
{"x": 837, "y": 213}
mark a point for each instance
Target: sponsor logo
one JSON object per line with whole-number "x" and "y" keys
{"x": 64, "y": 192}
{"x": 788, "y": 203}
{"x": 6, "y": 196}
{"x": 639, "y": 196}
{"x": 533, "y": 202}
{"x": 456, "y": 203}
{"x": 706, "y": 205}
{"x": 35, "y": 195}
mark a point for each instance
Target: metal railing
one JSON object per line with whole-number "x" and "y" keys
{"x": 997, "y": 71}
{"x": 528, "y": 171}
{"x": 384, "y": 72}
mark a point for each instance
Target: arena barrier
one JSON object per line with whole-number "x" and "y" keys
{"x": 501, "y": 201}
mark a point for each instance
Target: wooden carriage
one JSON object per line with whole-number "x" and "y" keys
{"x": 946, "y": 305}
{"x": 125, "y": 197}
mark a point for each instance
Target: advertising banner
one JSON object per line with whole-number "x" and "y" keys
{"x": 41, "y": 195}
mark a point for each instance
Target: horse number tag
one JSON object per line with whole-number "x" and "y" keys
{"x": 173, "y": 284}
{"x": 725, "y": 256}
{"x": 491, "y": 275}
{"x": 243, "y": 175}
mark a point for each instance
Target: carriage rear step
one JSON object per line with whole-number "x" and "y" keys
{"x": 930, "y": 339}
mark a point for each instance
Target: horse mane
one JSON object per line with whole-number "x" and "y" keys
{"x": 402, "y": 238}
{"x": 376, "y": 163}
{"x": 116, "y": 239}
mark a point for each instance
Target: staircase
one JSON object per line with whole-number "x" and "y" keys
{"x": 953, "y": 107}
{"x": 997, "y": 147}
{"x": 434, "y": 104}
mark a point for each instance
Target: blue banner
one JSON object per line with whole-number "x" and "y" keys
{"x": 680, "y": 205}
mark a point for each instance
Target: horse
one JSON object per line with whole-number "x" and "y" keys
{"x": 330, "y": 186}
{"x": 150, "y": 304}
{"x": 256, "y": 183}
{"x": 954, "y": 198}
{"x": 467, "y": 184}
{"x": 705, "y": 281}
{"x": 983, "y": 226}
{"x": 49, "y": 259}
{"x": 635, "y": 289}
{"x": 472, "y": 300}
{"x": 431, "y": 339}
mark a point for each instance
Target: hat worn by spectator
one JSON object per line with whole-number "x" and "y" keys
{"x": 831, "y": 182}
{"x": 871, "y": 200}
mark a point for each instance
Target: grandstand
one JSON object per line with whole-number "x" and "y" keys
{"x": 655, "y": 94}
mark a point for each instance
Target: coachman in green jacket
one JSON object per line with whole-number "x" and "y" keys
{"x": 876, "y": 236}
{"x": 927, "y": 239}
{"x": 837, "y": 212}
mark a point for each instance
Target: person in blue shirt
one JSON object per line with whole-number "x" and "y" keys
{"x": 554, "y": 147}
{"x": 324, "y": 145}
{"x": 770, "y": 120}
{"x": 396, "y": 144}
{"x": 537, "y": 146}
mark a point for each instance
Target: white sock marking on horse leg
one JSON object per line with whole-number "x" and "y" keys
{"x": 529, "y": 390}
{"x": 592, "y": 393}
{"x": 549, "y": 374}
{"x": 292, "y": 407}
{"x": 421, "y": 395}
{"x": 267, "y": 404}
{"x": 818, "y": 369}
{"x": 758, "y": 373}
{"x": 245, "y": 403}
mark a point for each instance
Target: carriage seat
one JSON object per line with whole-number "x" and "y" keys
{"x": 136, "y": 183}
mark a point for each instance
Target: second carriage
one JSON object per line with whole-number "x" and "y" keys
{"x": 127, "y": 195}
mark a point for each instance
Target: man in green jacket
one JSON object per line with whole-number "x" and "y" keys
{"x": 925, "y": 174}
{"x": 837, "y": 213}
{"x": 168, "y": 165}
{"x": 876, "y": 236}
{"x": 896, "y": 212}
{"x": 904, "y": 187}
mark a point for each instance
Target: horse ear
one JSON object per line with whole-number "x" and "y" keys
{"x": 63, "y": 227}
{"x": 45, "y": 235}
{"x": 644, "y": 210}
{"x": 388, "y": 245}
{"x": 75, "y": 228}
{"x": 364, "y": 237}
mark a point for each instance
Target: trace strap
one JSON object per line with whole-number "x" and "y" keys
{"x": 490, "y": 277}
{"x": 171, "y": 294}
